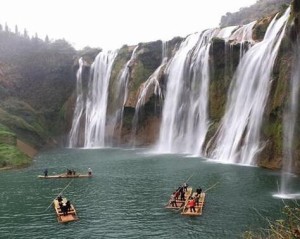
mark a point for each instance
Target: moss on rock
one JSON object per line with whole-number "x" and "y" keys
{"x": 24, "y": 121}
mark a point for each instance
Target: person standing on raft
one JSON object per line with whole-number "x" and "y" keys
{"x": 90, "y": 171}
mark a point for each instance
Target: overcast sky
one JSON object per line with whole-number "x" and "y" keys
{"x": 112, "y": 23}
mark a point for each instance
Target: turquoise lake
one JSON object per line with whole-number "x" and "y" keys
{"x": 126, "y": 198}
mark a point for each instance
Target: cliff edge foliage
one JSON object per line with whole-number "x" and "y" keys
{"x": 260, "y": 9}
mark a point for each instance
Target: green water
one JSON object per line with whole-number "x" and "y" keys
{"x": 127, "y": 195}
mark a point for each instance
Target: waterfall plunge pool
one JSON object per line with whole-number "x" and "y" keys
{"x": 126, "y": 198}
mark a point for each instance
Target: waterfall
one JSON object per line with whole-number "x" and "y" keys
{"x": 243, "y": 35}
{"x": 147, "y": 89}
{"x": 74, "y": 135}
{"x": 96, "y": 103}
{"x": 289, "y": 122}
{"x": 232, "y": 36}
{"x": 238, "y": 137}
{"x": 121, "y": 92}
{"x": 226, "y": 32}
{"x": 184, "y": 118}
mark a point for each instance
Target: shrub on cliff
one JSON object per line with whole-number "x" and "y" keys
{"x": 288, "y": 227}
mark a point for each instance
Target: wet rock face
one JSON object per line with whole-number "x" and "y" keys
{"x": 296, "y": 6}
{"x": 260, "y": 28}
{"x": 295, "y": 26}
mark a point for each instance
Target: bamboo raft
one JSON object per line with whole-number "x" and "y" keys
{"x": 65, "y": 176}
{"x": 71, "y": 215}
{"x": 180, "y": 203}
{"x": 198, "y": 208}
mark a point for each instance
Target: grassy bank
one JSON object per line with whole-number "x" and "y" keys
{"x": 10, "y": 155}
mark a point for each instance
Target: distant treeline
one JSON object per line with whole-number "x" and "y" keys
{"x": 45, "y": 67}
{"x": 41, "y": 64}
{"x": 258, "y": 10}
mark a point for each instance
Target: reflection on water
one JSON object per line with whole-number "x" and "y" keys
{"x": 127, "y": 195}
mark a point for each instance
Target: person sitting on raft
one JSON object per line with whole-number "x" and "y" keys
{"x": 59, "y": 198}
{"x": 199, "y": 190}
{"x": 69, "y": 172}
{"x": 68, "y": 204}
{"x": 64, "y": 209}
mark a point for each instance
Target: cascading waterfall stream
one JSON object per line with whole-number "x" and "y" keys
{"x": 289, "y": 122}
{"x": 75, "y": 130}
{"x": 243, "y": 35}
{"x": 238, "y": 138}
{"x": 197, "y": 121}
{"x": 96, "y": 104}
{"x": 122, "y": 93}
{"x": 226, "y": 32}
{"x": 233, "y": 35}
{"x": 184, "y": 118}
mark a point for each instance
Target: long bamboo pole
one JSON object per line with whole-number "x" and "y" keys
{"x": 60, "y": 194}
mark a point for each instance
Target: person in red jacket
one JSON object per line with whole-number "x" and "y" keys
{"x": 192, "y": 205}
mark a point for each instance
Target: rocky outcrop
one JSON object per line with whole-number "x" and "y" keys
{"x": 223, "y": 63}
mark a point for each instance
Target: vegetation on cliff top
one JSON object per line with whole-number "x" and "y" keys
{"x": 258, "y": 10}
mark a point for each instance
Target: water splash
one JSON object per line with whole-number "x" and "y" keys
{"x": 96, "y": 104}
{"x": 238, "y": 137}
{"x": 184, "y": 121}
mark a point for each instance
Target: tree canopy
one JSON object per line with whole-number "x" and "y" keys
{"x": 258, "y": 10}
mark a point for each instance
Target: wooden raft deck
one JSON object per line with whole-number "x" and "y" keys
{"x": 198, "y": 208}
{"x": 65, "y": 176}
{"x": 71, "y": 216}
{"x": 179, "y": 202}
